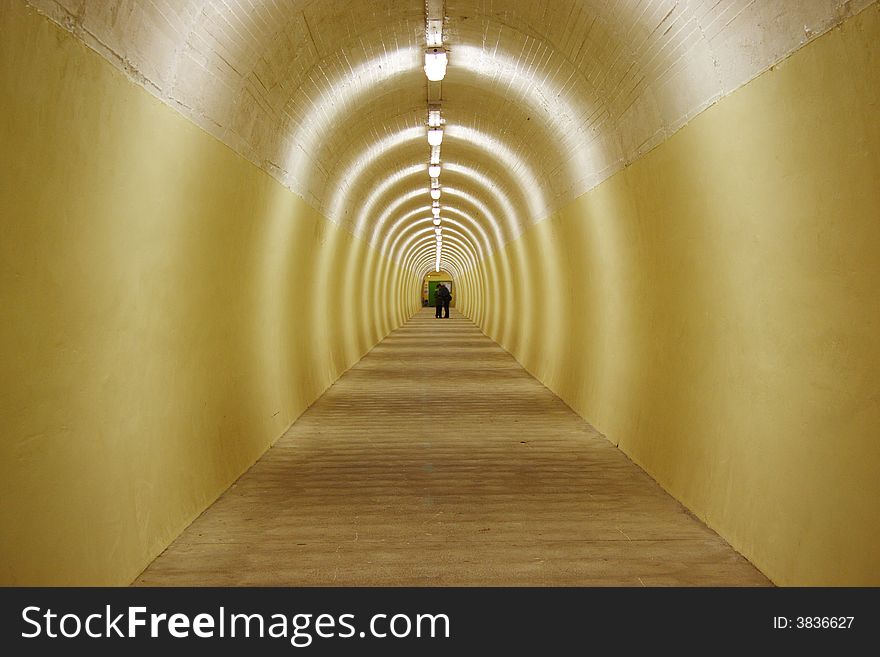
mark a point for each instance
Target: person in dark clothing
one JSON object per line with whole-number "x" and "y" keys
{"x": 438, "y": 301}
{"x": 443, "y": 296}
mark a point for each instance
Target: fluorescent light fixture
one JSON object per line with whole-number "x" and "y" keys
{"x": 435, "y": 194}
{"x": 435, "y": 184}
{"x": 435, "y": 204}
{"x": 435, "y": 212}
{"x": 438, "y": 231}
{"x": 436, "y": 221}
{"x": 435, "y": 155}
{"x": 434, "y": 170}
{"x": 434, "y": 118}
{"x": 435, "y": 136}
{"x": 435, "y": 64}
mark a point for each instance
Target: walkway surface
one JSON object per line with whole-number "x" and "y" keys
{"x": 414, "y": 469}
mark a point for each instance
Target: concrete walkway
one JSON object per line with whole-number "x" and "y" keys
{"x": 460, "y": 469}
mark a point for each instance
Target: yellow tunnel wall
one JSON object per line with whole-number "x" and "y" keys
{"x": 169, "y": 311}
{"x": 713, "y": 309}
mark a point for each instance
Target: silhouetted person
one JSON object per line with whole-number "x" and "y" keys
{"x": 442, "y": 297}
{"x": 438, "y": 302}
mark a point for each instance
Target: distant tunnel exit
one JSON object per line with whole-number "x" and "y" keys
{"x": 430, "y": 284}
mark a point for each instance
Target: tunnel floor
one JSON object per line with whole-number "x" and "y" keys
{"x": 438, "y": 460}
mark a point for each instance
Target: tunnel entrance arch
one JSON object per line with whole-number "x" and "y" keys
{"x": 430, "y": 283}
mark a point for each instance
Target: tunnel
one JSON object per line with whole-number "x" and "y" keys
{"x": 222, "y": 224}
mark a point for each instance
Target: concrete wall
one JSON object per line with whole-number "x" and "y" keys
{"x": 714, "y": 310}
{"x": 169, "y": 310}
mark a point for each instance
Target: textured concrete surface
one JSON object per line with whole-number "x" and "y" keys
{"x": 437, "y": 460}
{"x": 572, "y": 89}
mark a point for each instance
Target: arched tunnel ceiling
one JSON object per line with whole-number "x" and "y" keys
{"x": 543, "y": 99}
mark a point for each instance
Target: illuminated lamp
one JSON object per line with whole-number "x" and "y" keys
{"x": 435, "y": 64}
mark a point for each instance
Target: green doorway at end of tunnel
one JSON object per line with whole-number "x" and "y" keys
{"x": 432, "y": 282}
